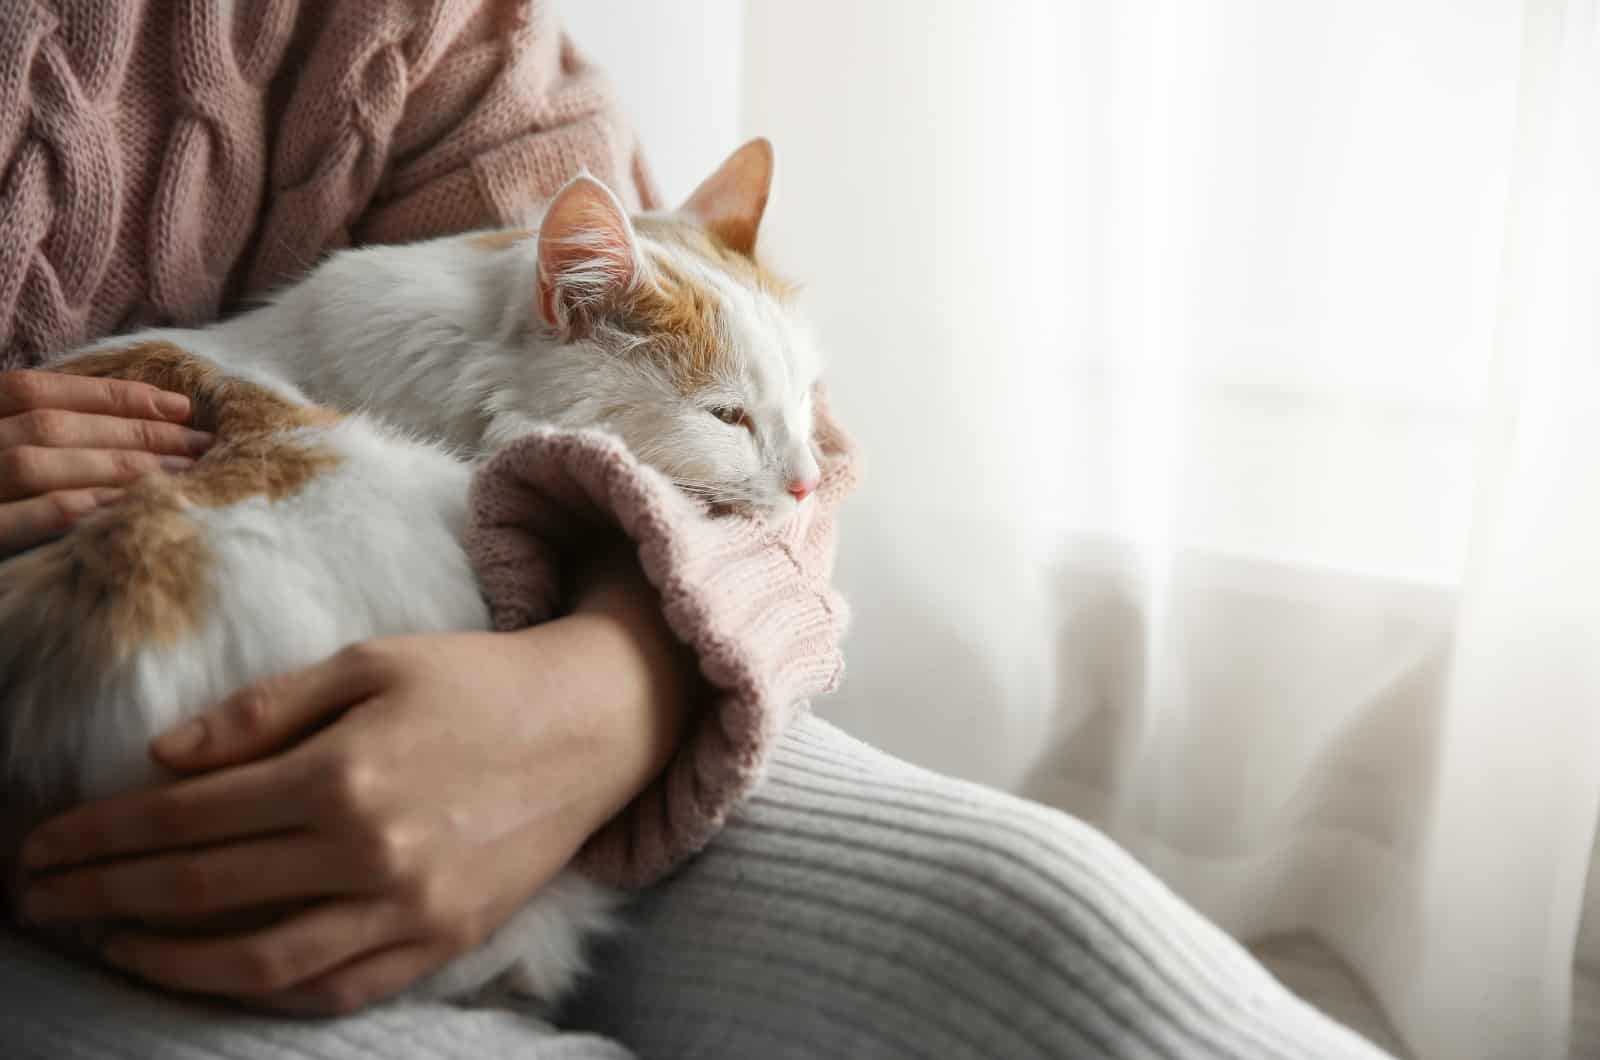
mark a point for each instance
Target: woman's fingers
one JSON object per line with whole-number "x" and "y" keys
{"x": 55, "y": 428}
{"x": 67, "y": 441}
{"x": 360, "y": 983}
{"x": 44, "y": 491}
{"x": 25, "y": 390}
{"x": 30, "y": 470}
{"x": 188, "y": 886}
{"x": 123, "y": 856}
{"x": 263, "y": 962}
{"x": 272, "y": 714}
{"x": 235, "y": 804}
{"x": 244, "y": 801}
{"x": 24, "y": 524}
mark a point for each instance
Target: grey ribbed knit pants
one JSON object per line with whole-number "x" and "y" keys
{"x": 855, "y": 907}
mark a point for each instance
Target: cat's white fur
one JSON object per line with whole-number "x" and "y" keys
{"x": 445, "y": 338}
{"x": 442, "y": 350}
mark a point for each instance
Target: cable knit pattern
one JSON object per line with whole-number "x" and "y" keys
{"x": 751, "y": 599}
{"x": 163, "y": 162}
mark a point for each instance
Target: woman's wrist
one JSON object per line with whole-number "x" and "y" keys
{"x": 633, "y": 682}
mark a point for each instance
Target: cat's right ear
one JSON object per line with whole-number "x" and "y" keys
{"x": 587, "y": 254}
{"x": 730, "y": 201}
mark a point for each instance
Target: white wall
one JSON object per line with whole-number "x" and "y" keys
{"x": 677, "y": 70}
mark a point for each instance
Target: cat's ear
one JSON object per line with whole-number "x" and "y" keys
{"x": 730, "y": 201}
{"x": 587, "y": 253}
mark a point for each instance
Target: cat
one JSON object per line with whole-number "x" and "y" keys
{"x": 349, "y": 412}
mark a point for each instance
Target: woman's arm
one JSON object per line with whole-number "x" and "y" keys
{"x": 650, "y": 678}
{"x": 461, "y": 771}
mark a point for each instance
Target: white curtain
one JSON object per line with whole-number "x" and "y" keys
{"x": 1227, "y": 372}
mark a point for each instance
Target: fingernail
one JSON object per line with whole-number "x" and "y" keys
{"x": 172, "y": 406}
{"x": 77, "y": 505}
{"x": 182, "y": 740}
{"x": 198, "y": 442}
{"x": 176, "y": 463}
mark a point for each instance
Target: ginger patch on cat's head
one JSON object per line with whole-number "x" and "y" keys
{"x": 675, "y": 285}
{"x": 698, "y": 243}
{"x": 678, "y": 319}
{"x": 667, "y": 330}
{"x": 677, "y": 309}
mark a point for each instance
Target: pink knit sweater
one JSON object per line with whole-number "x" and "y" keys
{"x": 164, "y": 162}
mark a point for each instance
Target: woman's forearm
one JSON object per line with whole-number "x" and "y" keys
{"x": 633, "y": 681}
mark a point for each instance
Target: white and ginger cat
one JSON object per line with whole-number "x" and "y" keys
{"x": 347, "y": 414}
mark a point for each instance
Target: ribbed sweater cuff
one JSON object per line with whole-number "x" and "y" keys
{"x": 752, "y": 600}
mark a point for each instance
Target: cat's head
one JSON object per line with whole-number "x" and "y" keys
{"x": 664, "y": 329}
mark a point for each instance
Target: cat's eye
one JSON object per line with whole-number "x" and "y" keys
{"x": 732, "y": 415}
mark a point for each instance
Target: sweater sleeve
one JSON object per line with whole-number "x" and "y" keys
{"x": 751, "y": 599}
{"x": 414, "y": 119}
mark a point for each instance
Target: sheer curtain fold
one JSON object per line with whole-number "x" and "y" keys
{"x": 1228, "y": 372}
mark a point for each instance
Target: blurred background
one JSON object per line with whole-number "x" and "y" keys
{"x": 1228, "y": 375}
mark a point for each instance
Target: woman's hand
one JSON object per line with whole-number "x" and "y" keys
{"x": 459, "y": 774}
{"x": 69, "y": 443}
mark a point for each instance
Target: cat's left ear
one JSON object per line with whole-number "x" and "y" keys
{"x": 730, "y": 201}
{"x": 587, "y": 253}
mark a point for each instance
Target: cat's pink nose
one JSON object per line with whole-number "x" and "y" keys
{"x": 801, "y": 488}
